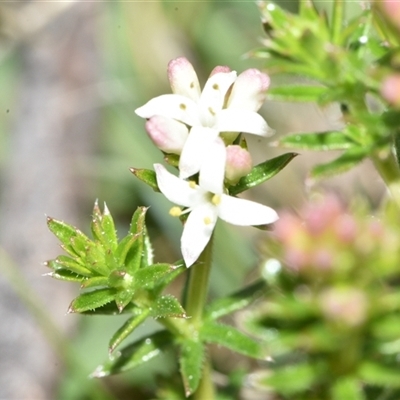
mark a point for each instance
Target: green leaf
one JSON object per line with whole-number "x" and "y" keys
{"x": 66, "y": 275}
{"x": 95, "y": 258}
{"x": 135, "y": 354}
{"x": 103, "y": 227}
{"x": 176, "y": 270}
{"x": 378, "y": 375}
{"x": 72, "y": 239}
{"x": 261, "y": 173}
{"x": 191, "y": 359}
{"x": 123, "y": 298}
{"x": 147, "y": 278}
{"x": 65, "y": 262}
{"x": 147, "y": 176}
{"x": 172, "y": 159}
{"x": 294, "y": 93}
{"x": 91, "y": 300}
{"x": 126, "y": 329}
{"x": 347, "y": 388}
{"x": 123, "y": 248}
{"x": 136, "y": 255}
{"x": 95, "y": 281}
{"x": 230, "y": 337}
{"x": 112, "y": 309}
{"x": 331, "y": 140}
{"x": 291, "y": 380}
{"x": 236, "y": 301}
{"x": 167, "y": 306}
{"x": 346, "y": 161}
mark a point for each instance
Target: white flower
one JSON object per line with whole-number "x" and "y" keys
{"x": 207, "y": 202}
{"x": 227, "y": 104}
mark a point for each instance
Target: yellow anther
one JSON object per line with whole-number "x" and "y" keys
{"x": 192, "y": 184}
{"x": 216, "y": 199}
{"x": 182, "y": 106}
{"x": 212, "y": 112}
{"x": 215, "y": 86}
{"x": 207, "y": 220}
{"x": 175, "y": 211}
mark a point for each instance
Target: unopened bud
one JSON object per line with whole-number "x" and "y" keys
{"x": 238, "y": 163}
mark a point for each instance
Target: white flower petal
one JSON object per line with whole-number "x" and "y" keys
{"x": 195, "y": 150}
{"x": 183, "y": 78}
{"x": 177, "y": 190}
{"x": 197, "y": 232}
{"x": 173, "y": 106}
{"x": 245, "y": 212}
{"x": 167, "y": 134}
{"x": 213, "y": 96}
{"x": 232, "y": 120}
{"x": 248, "y": 91}
{"x": 212, "y": 170}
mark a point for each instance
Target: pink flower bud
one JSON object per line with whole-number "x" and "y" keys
{"x": 183, "y": 78}
{"x": 167, "y": 134}
{"x": 238, "y": 163}
{"x": 390, "y": 88}
{"x": 248, "y": 91}
{"x": 346, "y": 228}
{"x": 392, "y": 10}
{"x": 344, "y": 305}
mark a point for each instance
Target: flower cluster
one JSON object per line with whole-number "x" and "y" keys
{"x": 201, "y": 128}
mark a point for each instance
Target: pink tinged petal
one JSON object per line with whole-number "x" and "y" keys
{"x": 183, "y": 78}
{"x": 212, "y": 170}
{"x": 167, "y": 134}
{"x": 195, "y": 150}
{"x": 245, "y": 212}
{"x": 173, "y": 106}
{"x": 176, "y": 190}
{"x": 219, "y": 68}
{"x": 197, "y": 232}
{"x": 390, "y": 89}
{"x": 248, "y": 91}
{"x": 238, "y": 163}
{"x": 213, "y": 96}
{"x": 230, "y": 120}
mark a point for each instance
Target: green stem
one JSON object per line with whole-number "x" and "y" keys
{"x": 198, "y": 285}
{"x": 195, "y": 302}
{"x": 337, "y": 20}
{"x": 390, "y": 173}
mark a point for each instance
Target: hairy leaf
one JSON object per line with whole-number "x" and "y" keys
{"x": 261, "y": 173}
{"x": 135, "y": 354}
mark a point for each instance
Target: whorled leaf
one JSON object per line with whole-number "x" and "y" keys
{"x": 191, "y": 361}
{"x": 290, "y": 380}
{"x": 72, "y": 239}
{"x": 66, "y": 262}
{"x": 103, "y": 227}
{"x": 294, "y": 93}
{"x": 135, "y": 354}
{"x": 167, "y": 306}
{"x": 343, "y": 163}
{"x": 147, "y": 176}
{"x": 65, "y": 275}
{"x": 147, "y": 278}
{"x": 347, "y": 388}
{"x": 126, "y": 329}
{"x": 375, "y": 374}
{"x": 331, "y": 140}
{"x": 91, "y": 300}
{"x": 261, "y": 173}
{"x": 224, "y": 306}
{"x": 231, "y": 338}
{"x": 112, "y": 309}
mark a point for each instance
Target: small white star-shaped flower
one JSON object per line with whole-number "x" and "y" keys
{"x": 188, "y": 121}
{"x": 207, "y": 202}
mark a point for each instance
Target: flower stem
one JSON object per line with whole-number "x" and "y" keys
{"x": 198, "y": 285}
{"x": 337, "y": 20}
{"x": 195, "y": 301}
{"x": 389, "y": 170}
